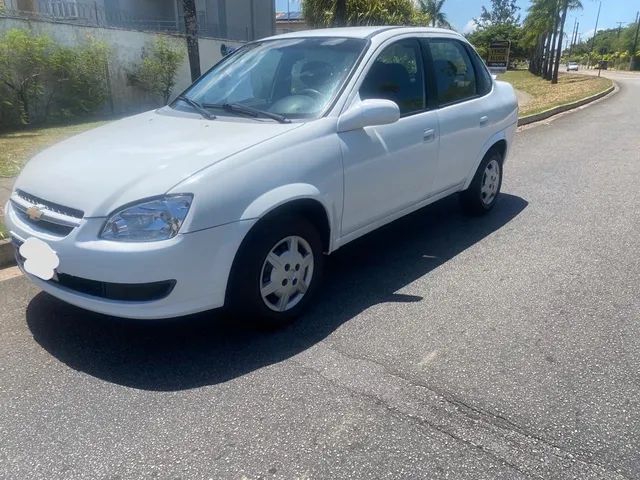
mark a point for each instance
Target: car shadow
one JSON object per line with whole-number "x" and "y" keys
{"x": 209, "y": 348}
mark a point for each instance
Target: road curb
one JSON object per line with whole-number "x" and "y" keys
{"x": 7, "y": 258}
{"x": 565, "y": 108}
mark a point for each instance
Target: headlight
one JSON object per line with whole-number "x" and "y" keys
{"x": 148, "y": 221}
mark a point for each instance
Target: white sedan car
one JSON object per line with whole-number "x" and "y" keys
{"x": 282, "y": 153}
{"x": 572, "y": 67}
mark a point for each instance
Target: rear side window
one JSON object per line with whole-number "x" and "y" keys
{"x": 454, "y": 72}
{"x": 397, "y": 75}
{"x": 483, "y": 77}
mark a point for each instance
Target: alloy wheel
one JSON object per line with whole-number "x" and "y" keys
{"x": 286, "y": 273}
{"x": 490, "y": 182}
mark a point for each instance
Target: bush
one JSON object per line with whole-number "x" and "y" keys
{"x": 24, "y": 66}
{"x": 157, "y": 73}
{"x": 320, "y": 13}
{"x": 42, "y": 80}
{"x": 79, "y": 86}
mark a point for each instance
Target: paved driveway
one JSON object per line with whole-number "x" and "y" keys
{"x": 444, "y": 347}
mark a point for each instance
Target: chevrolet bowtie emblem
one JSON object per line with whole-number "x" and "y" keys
{"x": 34, "y": 213}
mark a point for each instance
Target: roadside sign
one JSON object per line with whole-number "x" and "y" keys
{"x": 498, "y": 59}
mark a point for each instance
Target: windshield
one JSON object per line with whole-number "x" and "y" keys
{"x": 295, "y": 78}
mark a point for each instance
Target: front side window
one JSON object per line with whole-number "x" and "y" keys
{"x": 455, "y": 75}
{"x": 295, "y": 77}
{"x": 397, "y": 75}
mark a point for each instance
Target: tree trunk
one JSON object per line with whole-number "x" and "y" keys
{"x": 552, "y": 48}
{"x": 191, "y": 25}
{"x": 24, "y": 101}
{"x": 547, "y": 55}
{"x": 556, "y": 68}
{"x": 340, "y": 17}
{"x": 535, "y": 66}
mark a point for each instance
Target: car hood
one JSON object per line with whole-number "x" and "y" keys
{"x": 138, "y": 157}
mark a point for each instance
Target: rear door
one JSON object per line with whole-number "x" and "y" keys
{"x": 464, "y": 109}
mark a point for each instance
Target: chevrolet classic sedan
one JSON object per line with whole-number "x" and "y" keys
{"x": 285, "y": 151}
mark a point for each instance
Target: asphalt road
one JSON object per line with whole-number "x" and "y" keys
{"x": 444, "y": 347}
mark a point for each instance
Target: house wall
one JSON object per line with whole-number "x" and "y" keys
{"x": 236, "y": 19}
{"x": 127, "y": 47}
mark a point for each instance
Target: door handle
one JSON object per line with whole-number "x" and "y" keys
{"x": 429, "y": 135}
{"x": 484, "y": 120}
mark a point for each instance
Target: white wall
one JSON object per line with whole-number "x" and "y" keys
{"x": 126, "y": 53}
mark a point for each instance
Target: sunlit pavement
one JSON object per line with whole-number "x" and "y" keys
{"x": 443, "y": 347}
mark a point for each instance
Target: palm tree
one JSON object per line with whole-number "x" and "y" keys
{"x": 541, "y": 33}
{"x": 433, "y": 9}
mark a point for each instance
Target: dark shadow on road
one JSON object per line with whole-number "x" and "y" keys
{"x": 208, "y": 348}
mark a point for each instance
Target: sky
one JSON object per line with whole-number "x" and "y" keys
{"x": 461, "y": 13}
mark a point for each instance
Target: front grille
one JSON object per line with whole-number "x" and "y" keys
{"x": 45, "y": 216}
{"x": 44, "y": 225}
{"x": 125, "y": 292}
{"x": 53, "y": 207}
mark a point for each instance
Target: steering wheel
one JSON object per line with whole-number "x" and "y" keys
{"x": 310, "y": 92}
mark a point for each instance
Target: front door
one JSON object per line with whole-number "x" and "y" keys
{"x": 389, "y": 168}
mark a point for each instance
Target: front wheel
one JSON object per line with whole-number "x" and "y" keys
{"x": 277, "y": 271}
{"x": 483, "y": 192}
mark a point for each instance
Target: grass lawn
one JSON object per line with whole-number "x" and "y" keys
{"x": 570, "y": 87}
{"x": 19, "y": 146}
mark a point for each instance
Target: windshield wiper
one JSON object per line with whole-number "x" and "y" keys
{"x": 201, "y": 110}
{"x": 254, "y": 112}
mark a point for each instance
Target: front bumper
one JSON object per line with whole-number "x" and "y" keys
{"x": 198, "y": 264}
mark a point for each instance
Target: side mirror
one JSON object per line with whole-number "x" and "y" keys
{"x": 369, "y": 113}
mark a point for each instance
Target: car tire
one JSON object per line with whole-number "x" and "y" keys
{"x": 281, "y": 255}
{"x": 484, "y": 190}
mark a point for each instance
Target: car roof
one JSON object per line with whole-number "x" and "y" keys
{"x": 364, "y": 32}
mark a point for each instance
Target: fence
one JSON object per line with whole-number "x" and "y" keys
{"x": 102, "y": 14}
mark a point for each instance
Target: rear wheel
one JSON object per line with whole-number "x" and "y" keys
{"x": 277, "y": 271}
{"x": 483, "y": 192}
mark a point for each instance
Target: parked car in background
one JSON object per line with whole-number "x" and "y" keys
{"x": 572, "y": 67}
{"x": 287, "y": 150}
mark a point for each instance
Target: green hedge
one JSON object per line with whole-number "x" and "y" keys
{"x": 42, "y": 81}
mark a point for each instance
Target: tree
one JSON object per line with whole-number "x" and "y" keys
{"x": 543, "y": 31}
{"x": 563, "y": 18}
{"x": 40, "y": 79}
{"x": 157, "y": 73}
{"x": 499, "y": 23}
{"x": 322, "y": 13}
{"x": 433, "y": 10}
{"x": 77, "y": 83}
{"x": 24, "y": 64}
{"x": 502, "y": 12}
{"x": 482, "y": 38}
{"x": 191, "y": 25}
{"x": 536, "y": 37}
{"x": 340, "y": 18}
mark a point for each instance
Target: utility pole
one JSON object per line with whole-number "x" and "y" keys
{"x": 635, "y": 43}
{"x": 574, "y": 36}
{"x": 595, "y": 32}
{"x": 620, "y": 27}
